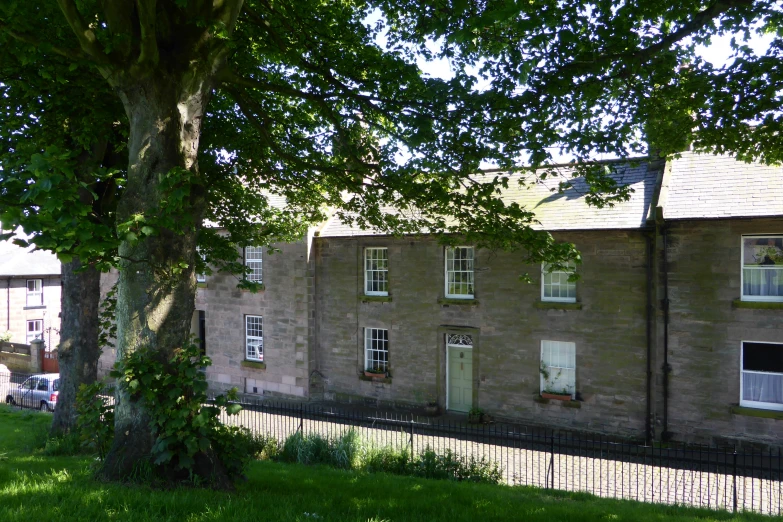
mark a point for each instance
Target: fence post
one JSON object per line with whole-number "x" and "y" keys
{"x": 734, "y": 482}
{"x": 301, "y": 419}
{"x": 411, "y": 435}
{"x": 551, "y": 461}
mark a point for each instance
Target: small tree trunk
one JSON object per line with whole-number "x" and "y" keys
{"x": 155, "y": 295}
{"x": 78, "y": 352}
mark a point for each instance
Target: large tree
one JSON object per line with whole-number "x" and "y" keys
{"x": 230, "y": 100}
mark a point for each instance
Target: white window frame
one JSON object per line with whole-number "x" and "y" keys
{"x": 256, "y": 264}
{"x": 755, "y": 404}
{"x": 201, "y": 278}
{"x": 259, "y": 355}
{"x": 369, "y": 270}
{"x": 37, "y": 333}
{"x": 35, "y": 297}
{"x": 569, "y": 367}
{"x": 567, "y": 285}
{"x": 370, "y": 361}
{"x": 448, "y": 271}
{"x": 757, "y": 298}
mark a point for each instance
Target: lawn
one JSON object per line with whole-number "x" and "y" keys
{"x": 35, "y": 487}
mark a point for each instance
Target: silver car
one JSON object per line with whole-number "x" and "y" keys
{"x": 37, "y": 391}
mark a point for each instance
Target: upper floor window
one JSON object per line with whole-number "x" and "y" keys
{"x": 35, "y": 292}
{"x": 376, "y": 349}
{"x": 459, "y": 272}
{"x": 762, "y": 376}
{"x": 376, "y": 271}
{"x": 254, "y": 338}
{"x": 762, "y": 268}
{"x": 555, "y": 285}
{"x": 34, "y": 330}
{"x": 253, "y": 261}
{"x": 558, "y": 368}
{"x": 201, "y": 278}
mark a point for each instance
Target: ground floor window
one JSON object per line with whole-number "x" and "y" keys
{"x": 558, "y": 368}
{"x": 34, "y": 330}
{"x": 762, "y": 376}
{"x": 254, "y": 338}
{"x": 376, "y": 349}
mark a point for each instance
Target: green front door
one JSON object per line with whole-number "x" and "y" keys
{"x": 460, "y": 378}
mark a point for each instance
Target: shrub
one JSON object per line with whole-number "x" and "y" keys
{"x": 94, "y": 419}
{"x": 386, "y": 459}
{"x": 451, "y": 466}
{"x": 340, "y": 452}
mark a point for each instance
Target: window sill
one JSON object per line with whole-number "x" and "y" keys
{"x": 37, "y": 307}
{"x": 382, "y": 380}
{"x": 758, "y": 305}
{"x": 757, "y": 412}
{"x": 556, "y": 305}
{"x": 253, "y": 365}
{"x": 375, "y": 298}
{"x": 201, "y": 285}
{"x": 564, "y": 404}
{"x": 454, "y": 301}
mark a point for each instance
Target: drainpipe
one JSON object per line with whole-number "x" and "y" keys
{"x": 8, "y": 305}
{"x": 666, "y": 435}
{"x": 650, "y": 311}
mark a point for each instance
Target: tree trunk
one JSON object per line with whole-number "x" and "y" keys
{"x": 155, "y": 297}
{"x": 78, "y": 351}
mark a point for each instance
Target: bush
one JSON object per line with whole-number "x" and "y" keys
{"x": 64, "y": 444}
{"x": 349, "y": 452}
{"x": 340, "y": 452}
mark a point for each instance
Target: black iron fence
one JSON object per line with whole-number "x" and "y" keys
{"x": 718, "y": 478}
{"x": 701, "y": 476}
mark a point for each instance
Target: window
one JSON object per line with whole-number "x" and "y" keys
{"x": 762, "y": 268}
{"x": 201, "y": 278}
{"x": 253, "y": 262}
{"x": 254, "y": 338}
{"x": 35, "y": 292}
{"x": 34, "y": 330}
{"x": 762, "y": 376}
{"x": 558, "y": 367}
{"x": 376, "y": 271}
{"x": 376, "y": 349}
{"x": 459, "y": 272}
{"x": 555, "y": 285}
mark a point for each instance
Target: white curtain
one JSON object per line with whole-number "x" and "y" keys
{"x": 763, "y": 282}
{"x": 762, "y": 387}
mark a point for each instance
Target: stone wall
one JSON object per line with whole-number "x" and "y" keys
{"x": 14, "y": 312}
{"x": 706, "y": 332}
{"x": 505, "y": 321}
{"x": 285, "y": 305}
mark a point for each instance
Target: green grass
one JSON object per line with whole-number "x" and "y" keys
{"x": 37, "y": 488}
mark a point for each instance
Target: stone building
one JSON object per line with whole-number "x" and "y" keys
{"x": 29, "y": 295}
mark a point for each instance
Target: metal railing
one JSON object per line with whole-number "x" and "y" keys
{"x": 701, "y": 476}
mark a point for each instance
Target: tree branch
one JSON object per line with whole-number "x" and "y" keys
{"x": 149, "y": 44}
{"x": 71, "y": 54}
{"x": 227, "y": 76}
{"x": 85, "y": 35}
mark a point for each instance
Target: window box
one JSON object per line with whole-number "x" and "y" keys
{"x": 375, "y": 298}
{"x": 451, "y": 301}
{"x": 762, "y": 268}
{"x": 555, "y": 396}
{"x": 374, "y": 375}
{"x": 255, "y": 365}
{"x": 757, "y": 305}
{"x": 549, "y": 305}
{"x": 376, "y": 380}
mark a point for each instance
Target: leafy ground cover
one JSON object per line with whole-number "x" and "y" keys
{"x": 34, "y": 486}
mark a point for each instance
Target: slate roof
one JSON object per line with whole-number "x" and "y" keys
{"x": 705, "y": 186}
{"x": 17, "y": 261}
{"x": 562, "y": 211}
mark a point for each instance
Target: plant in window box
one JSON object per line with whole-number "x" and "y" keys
{"x": 431, "y": 408}
{"x": 558, "y": 395}
{"x": 475, "y": 415}
{"x": 377, "y": 372}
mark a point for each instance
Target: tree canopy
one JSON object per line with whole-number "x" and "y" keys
{"x": 227, "y": 104}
